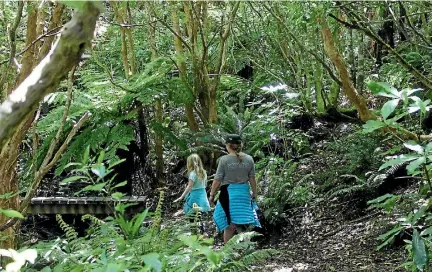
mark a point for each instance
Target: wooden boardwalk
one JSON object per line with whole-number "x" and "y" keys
{"x": 82, "y": 205}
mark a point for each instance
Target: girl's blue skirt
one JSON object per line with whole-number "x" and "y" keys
{"x": 235, "y": 206}
{"x": 198, "y": 197}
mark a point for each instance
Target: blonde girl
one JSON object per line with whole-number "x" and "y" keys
{"x": 195, "y": 192}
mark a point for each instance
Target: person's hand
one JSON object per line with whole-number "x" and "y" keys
{"x": 178, "y": 199}
{"x": 211, "y": 199}
{"x": 253, "y": 196}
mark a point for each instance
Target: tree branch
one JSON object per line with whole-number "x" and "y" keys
{"x": 12, "y": 32}
{"x": 369, "y": 32}
{"x": 56, "y": 139}
{"x": 40, "y": 174}
{"x": 303, "y": 47}
{"x": 76, "y": 35}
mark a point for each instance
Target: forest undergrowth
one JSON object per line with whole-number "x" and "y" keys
{"x": 106, "y": 99}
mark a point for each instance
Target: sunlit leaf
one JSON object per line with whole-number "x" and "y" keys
{"x": 117, "y": 195}
{"x": 389, "y": 107}
{"x": 97, "y": 187}
{"x": 12, "y": 213}
{"x": 99, "y": 170}
{"x": 121, "y": 184}
{"x": 383, "y": 89}
{"x": 397, "y": 160}
{"x": 414, "y": 147}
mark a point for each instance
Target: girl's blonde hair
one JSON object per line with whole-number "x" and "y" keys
{"x": 194, "y": 163}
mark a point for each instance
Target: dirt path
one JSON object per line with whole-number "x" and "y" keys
{"x": 334, "y": 244}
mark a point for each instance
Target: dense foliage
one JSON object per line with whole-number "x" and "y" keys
{"x": 332, "y": 100}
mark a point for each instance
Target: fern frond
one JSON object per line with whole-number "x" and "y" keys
{"x": 94, "y": 220}
{"x": 71, "y": 234}
{"x": 258, "y": 256}
{"x": 158, "y": 214}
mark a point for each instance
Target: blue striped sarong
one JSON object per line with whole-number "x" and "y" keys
{"x": 242, "y": 210}
{"x": 199, "y": 197}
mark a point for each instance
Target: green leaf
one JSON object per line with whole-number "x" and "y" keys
{"x": 214, "y": 257}
{"x": 428, "y": 147}
{"x": 139, "y": 219}
{"x": 73, "y": 178}
{"x": 12, "y": 213}
{"x": 420, "y": 254}
{"x": 86, "y": 155}
{"x": 414, "y": 147}
{"x": 99, "y": 170}
{"x": 397, "y": 160}
{"x": 152, "y": 259}
{"x": 373, "y": 125}
{"x": 97, "y": 187}
{"x": 121, "y": 184}
{"x": 117, "y": 195}
{"x": 383, "y": 89}
{"x": 389, "y": 236}
{"x": 419, "y": 214}
{"x": 415, "y": 164}
{"x": 111, "y": 165}
{"x": 101, "y": 157}
{"x": 427, "y": 231}
{"x": 8, "y": 195}
{"x": 389, "y": 107}
{"x": 380, "y": 199}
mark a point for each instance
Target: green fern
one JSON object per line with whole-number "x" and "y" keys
{"x": 71, "y": 234}
{"x": 158, "y": 214}
{"x": 94, "y": 220}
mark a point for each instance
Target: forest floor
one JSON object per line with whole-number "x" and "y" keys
{"x": 325, "y": 243}
{"x": 314, "y": 241}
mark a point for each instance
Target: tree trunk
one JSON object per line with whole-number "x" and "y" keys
{"x": 54, "y": 22}
{"x": 158, "y": 106}
{"x": 118, "y": 11}
{"x": 348, "y": 87}
{"x": 319, "y": 91}
{"x": 20, "y": 104}
{"x": 31, "y": 35}
{"x": 193, "y": 125}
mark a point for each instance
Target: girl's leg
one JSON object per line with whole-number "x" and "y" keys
{"x": 229, "y": 233}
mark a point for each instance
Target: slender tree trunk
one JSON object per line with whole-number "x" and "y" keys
{"x": 193, "y": 125}
{"x": 31, "y": 35}
{"x": 361, "y": 65}
{"x": 54, "y": 22}
{"x": 348, "y": 87}
{"x": 158, "y": 106}
{"x": 319, "y": 91}
{"x": 120, "y": 18}
{"x": 9, "y": 155}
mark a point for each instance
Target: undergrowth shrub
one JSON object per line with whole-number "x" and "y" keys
{"x": 281, "y": 191}
{"x": 118, "y": 244}
{"x": 349, "y": 156}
